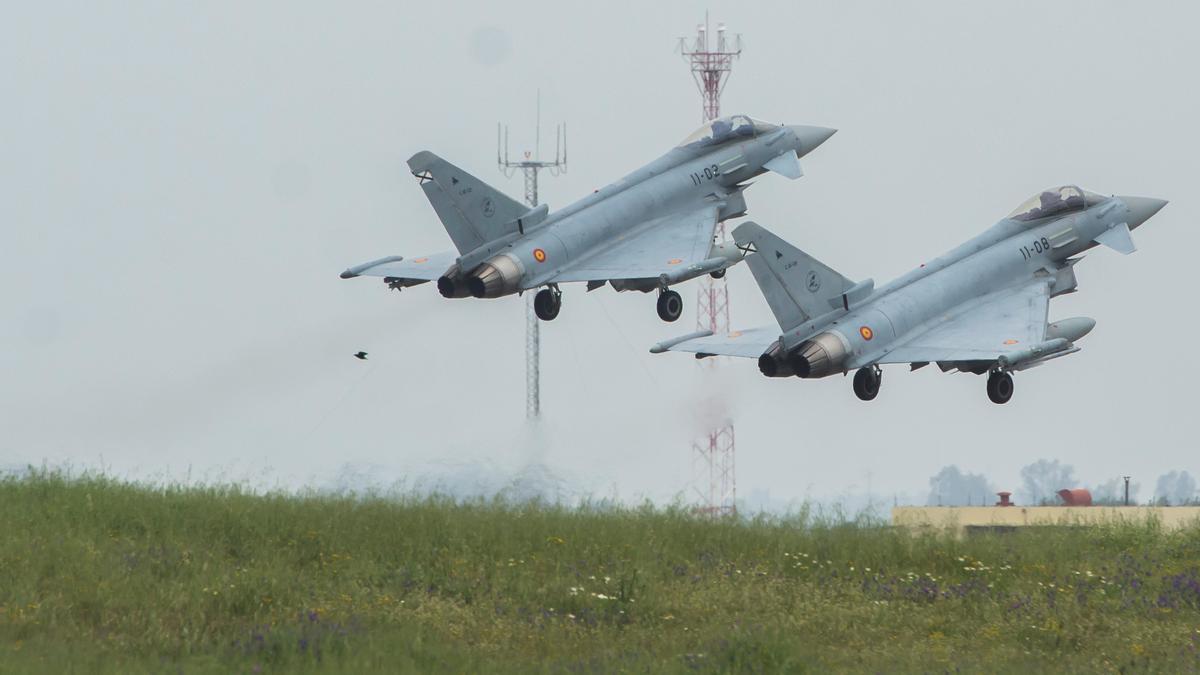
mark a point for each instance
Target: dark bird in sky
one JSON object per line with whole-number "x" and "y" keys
{"x": 361, "y": 356}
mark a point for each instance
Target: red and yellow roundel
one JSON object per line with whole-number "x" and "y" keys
{"x": 674, "y": 261}
{"x": 539, "y": 255}
{"x": 1010, "y": 342}
{"x": 420, "y": 260}
{"x": 866, "y": 332}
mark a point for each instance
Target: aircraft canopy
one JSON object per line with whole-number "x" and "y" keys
{"x": 723, "y": 129}
{"x": 1055, "y": 202}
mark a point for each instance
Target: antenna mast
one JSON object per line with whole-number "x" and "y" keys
{"x": 713, "y": 466}
{"x": 529, "y": 165}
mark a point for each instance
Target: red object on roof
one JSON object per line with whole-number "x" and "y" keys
{"x": 1075, "y": 497}
{"x": 1004, "y": 499}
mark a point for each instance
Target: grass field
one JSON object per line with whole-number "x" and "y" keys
{"x": 97, "y": 575}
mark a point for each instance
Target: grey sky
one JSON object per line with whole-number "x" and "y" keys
{"x": 183, "y": 182}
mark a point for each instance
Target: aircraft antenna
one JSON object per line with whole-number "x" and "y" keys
{"x": 530, "y": 165}
{"x": 713, "y": 467}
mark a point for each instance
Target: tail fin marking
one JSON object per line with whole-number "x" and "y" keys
{"x": 473, "y": 212}
{"x": 797, "y": 286}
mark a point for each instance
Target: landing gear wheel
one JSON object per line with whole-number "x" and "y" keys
{"x": 1000, "y": 387}
{"x": 546, "y": 304}
{"x": 717, "y": 274}
{"x": 866, "y": 383}
{"x": 670, "y": 306}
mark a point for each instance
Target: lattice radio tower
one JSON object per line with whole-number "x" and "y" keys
{"x": 713, "y": 476}
{"x": 530, "y": 165}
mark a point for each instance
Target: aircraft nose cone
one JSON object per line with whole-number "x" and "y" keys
{"x": 1142, "y": 208}
{"x": 808, "y": 138}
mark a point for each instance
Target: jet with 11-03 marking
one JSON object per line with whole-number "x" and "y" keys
{"x": 981, "y": 308}
{"x": 648, "y": 231}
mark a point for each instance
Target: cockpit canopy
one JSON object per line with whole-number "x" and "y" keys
{"x": 1055, "y": 202}
{"x": 724, "y": 129}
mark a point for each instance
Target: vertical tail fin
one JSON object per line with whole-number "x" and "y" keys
{"x": 797, "y": 286}
{"x": 473, "y": 212}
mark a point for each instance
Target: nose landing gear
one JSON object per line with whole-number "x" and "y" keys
{"x": 866, "y": 383}
{"x": 999, "y": 387}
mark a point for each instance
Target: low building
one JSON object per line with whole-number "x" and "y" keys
{"x": 968, "y": 518}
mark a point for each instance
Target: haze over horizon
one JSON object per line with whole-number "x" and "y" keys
{"x": 182, "y": 185}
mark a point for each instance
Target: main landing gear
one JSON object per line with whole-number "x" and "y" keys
{"x": 999, "y": 387}
{"x": 866, "y": 383}
{"x": 670, "y": 305}
{"x": 547, "y": 302}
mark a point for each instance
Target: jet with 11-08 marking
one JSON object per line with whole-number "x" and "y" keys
{"x": 650, "y": 230}
{"x": 981, "y": 308}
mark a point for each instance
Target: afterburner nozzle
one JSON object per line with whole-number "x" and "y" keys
{"x": 452, "y": 287}
{"x": 818, "y": 357}
{"x": 773, "y": 364}
{"x": 497, "y": 277}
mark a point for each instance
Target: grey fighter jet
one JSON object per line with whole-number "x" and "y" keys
{"x": 648, "y": 231}
{"x": 981, "y": 308}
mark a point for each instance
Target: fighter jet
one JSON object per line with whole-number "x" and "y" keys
{"x": 648, "y": 231}
{"x": 980, "y": 308}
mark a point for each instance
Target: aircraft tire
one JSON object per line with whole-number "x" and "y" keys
{"x": 717, "y": 274}
{"x": 546, "y": 304}
{"x": 670, "y": 306}
{"x": 1000, "y": 387}
{"x": 866, "y": 383}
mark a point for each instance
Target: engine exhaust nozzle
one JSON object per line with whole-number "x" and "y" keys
{"x": 497, "y": 277}
{"x": 772, "y": 363}
{"x": 820, "y": 356}
{"x": 452, "y": 287}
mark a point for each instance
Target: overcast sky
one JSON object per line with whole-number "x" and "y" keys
{"x": 181, "y": 183}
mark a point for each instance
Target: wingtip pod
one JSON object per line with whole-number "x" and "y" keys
{"x": 665, "y": 345}
{"x": 357, "y": 270}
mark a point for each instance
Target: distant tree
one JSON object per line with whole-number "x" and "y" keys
{"x": 1112, "y": 492}
{"x": 952, "y": 487}
{"x": 1176, "y": 487}
{"x": 1041, "y": 481}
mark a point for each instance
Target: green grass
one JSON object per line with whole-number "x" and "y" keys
{"x": 99, "y": 575}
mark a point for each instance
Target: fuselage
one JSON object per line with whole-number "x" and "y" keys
{"x": 1010, "y": 252}
{"x": 684, "y": 179}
